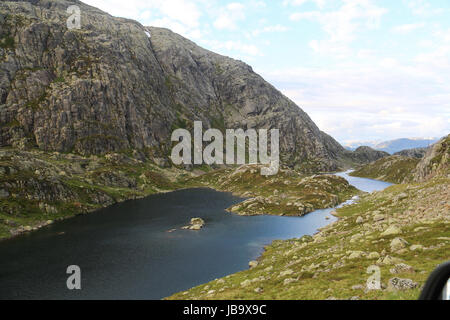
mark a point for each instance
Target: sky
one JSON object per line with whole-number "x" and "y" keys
{"x": 364, "y": 70}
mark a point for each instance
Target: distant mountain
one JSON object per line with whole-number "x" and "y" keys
{"x": 395, "y": 145}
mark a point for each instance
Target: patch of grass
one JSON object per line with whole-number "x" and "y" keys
{"x": 7, "y": 43}
{"x": 395, "y": 169}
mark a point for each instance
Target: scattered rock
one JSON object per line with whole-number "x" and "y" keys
{"x": 416, "y": 247}
{"x": 253, "y": 264}
{"x": 388, "y": 260}
{"x": 402, "y": 268}
{"x": 356, "y": 255}
{"x": 401, "y": 284}
{"x": 288, "y": 281}
{"x": 401, "y": 196}
{"x": 378, "y": 217}
{"x": 398, "y": 243}
{"x": 373, "y": 255}
{"x": 286, "y": 273}
{"x": 391, "y": 230}
{"x": 245, "y": 283}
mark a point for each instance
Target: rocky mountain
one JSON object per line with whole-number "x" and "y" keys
{"x": 115, "y": 85}
{"x": 366, "y": 154}
{"x": 436, "y": 161}
{"x": 413, "y": 153}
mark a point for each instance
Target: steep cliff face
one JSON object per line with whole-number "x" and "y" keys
{"x": 115, "y": 85}
{"x": 436, "y": 161}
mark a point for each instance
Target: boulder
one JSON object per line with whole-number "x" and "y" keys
{"x": 356, "y": 255}
{"x": 398, "y": 243}
{"x": 196, "y": 224}
{"x": 416, "y": 247}
{"x": 401, "y": 284}
{"x": 288, "y": 281}
{"x": 402, "y": 268}
{"x": 390, "y": 231}
{"x": 373, "y": 255}
{"x": 388, "y": 260}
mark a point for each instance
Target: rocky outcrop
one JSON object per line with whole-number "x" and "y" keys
{"x": 116, "y": 85}
{"x": 288, "y": 193}
{"x": 435, "y": 162}
{"x": 195, "y": 224}
{"x": 366, "y": 154}
{"x": 412, "y": 153}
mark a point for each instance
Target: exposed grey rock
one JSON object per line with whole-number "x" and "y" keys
{"x": 366, "y": 154}
{"x": 435, "y": 161}
{"x": 412, "y": 153}
{"x": 402, "y": 268}
{"x": 398, "y": 243}
{"x": 401, "y": 284}
{"x": 195, "y": 224}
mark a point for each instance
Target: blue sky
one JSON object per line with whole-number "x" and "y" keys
{"x": 362, "y": 69}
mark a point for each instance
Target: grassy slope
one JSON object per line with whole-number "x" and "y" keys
{"x": 321, "y": 268}
{"x": 393, "y": 169}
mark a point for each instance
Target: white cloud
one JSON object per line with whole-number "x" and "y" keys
{"x": 422, "y": 8}
{"x": 226, "y": 47}
{"x": 386, "y": 100}
{"x": 268, "y": 29}
{"x": 342, "y": 25}
{"x": 181, "y": 16}
{"x": 229, "y": 16}
{"x": 319, "y": 3}
{"x": 407, "y": 28}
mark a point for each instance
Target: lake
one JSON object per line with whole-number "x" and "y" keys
{"x": 127, "y": 251}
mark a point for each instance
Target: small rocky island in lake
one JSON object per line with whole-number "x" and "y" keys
{"x": 196, "y": 224}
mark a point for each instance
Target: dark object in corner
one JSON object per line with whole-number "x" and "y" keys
{"x": 436, "y": 283}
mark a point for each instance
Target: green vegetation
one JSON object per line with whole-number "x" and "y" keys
{"x": 7, "y": 42}
{"x": 59, "y": 79}
{"x": 286, "y": 193}
{"x": 395, "y": 169}
{"x": 36, "y": 103}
